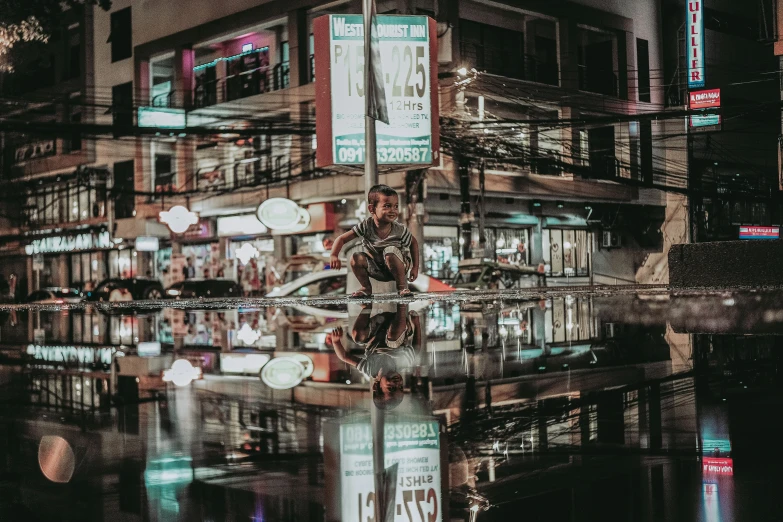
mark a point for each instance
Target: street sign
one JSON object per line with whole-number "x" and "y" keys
{"x": 709, "y": 98}
{"x": 702, "y": 100}
{"x": 415, "y": 447}
{"x": 408, "y": 49}
{"x": 759, "y": 232}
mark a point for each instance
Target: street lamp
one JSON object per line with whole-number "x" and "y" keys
{"x": 178, "y": 218}
{"x": 283, "y": 214}
{"x": 181, "y": 373}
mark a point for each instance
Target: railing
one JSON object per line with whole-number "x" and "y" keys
{"x": 599, "y": 81}
{"x": 162, "y": 100}
{"x": 264, "y": 170}
{"x": 248, "y": 83}
{"x": 503, "y": 62}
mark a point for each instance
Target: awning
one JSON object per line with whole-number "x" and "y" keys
{"x": 132, "y": 228}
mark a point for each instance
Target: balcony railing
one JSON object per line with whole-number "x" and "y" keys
{"x": 248, "y": 83}
{"x": 502, "y": 62}
{"x": 599, "y": 81}
{"x": 264, "y": 170}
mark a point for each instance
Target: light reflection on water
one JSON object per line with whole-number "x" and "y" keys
{"x": 525, "y": 396}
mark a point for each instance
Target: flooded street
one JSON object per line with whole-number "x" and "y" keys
{"x": 580, "y": 407}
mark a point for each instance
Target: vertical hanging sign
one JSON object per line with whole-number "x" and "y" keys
{"x": 694, "y": 42}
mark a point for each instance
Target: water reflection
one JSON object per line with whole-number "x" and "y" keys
{"x": 567, "y": 408}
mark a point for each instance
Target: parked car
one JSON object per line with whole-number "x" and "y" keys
{"x": 326, "y": 283}
{"x": 191, "y": 288}
{"x": 117, "y": 289}
{"x": 55, "y": 295}
{"x": 482, "y": 274}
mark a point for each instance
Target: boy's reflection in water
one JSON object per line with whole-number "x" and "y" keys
{"x": 388, "y": 339}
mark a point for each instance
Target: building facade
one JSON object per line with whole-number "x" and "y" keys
{"x": 576, "y": 188}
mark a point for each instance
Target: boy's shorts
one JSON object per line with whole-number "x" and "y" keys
{"x": 379, "y": 270}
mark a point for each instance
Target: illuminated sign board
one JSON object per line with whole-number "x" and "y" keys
{"x": 706, "y": 99}
{"x": 148, "y": 349}
{"x": 56, "y": 244}
{"x": 244, "y": 225}
{"x": 162, "y": 118}
{"x": 282, "y": 373}
{"x": 408, "y": 50}
{"x": 72, "y": 354}
{"x": 243, "y": 363}
{"x": 759, "y": 232}
{"x": 415, "y": 447}
{"x": 700, "y": 100}
{"x": 717, "y": 466}
{"x": 704, "y": 120}
{"x": 694, "y": 41}
{"x": 147, "y": 244}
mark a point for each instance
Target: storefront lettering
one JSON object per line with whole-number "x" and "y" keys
{"x": 87, "y": 241}
{"x": 71, "y": 354}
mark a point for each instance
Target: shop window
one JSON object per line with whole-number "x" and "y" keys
{"x": 570, "y": 320}
{"x": 566, "y": 252}
{"x": 88, "y": 269}
{"x": 441, "y": 252}
{"x": 121, "y": 36}
{"x": 122, "y": 263}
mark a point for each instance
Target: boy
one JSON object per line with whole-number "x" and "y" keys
{"x": 390, "y": 250}
{"x": 388, "y": 340}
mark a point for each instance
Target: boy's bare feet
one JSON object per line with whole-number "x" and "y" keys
{"x": 362, "y": 292}
{"x": 405, "y": 292}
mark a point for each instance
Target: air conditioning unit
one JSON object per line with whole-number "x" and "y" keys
{"x": 610, "y": 239}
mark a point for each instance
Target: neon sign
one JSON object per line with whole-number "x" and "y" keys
{"x": 695, "y": 42}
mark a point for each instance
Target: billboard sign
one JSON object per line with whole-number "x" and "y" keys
{"x": 408, "y": 49}
{"x": 716, "y": 466}
{"x": 706, "y": 99}
{"x": 759, "y": 232}
{"x": 694, "y": 41}
{"x": 702, "y": 100}
{"x": 415, "y": 447}
{"x": 704, "y": 120}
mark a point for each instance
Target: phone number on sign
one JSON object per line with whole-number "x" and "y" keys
{"x": 386, "y": 155}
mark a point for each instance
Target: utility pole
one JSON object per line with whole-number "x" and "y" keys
{"x": 415, "y": 193}
{"x": 465, "y": 217}
{"x": 370, "y": 160}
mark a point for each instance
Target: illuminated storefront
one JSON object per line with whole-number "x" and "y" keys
{"x": 83, "y": 258}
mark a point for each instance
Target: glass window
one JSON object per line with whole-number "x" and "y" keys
{"x": 121, "y": 37}
{"x": 566, "y": 251}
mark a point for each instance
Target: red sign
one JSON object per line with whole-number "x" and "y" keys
{"x": 715, "y": 466}
{"x": 201, "y": 230}
{"x": 709, "y": 98}
{"x": 759, "y": 232}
